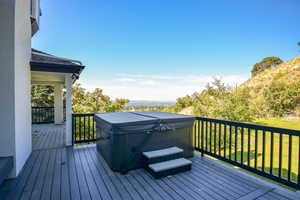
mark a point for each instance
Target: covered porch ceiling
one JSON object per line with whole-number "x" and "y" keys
{"x": 47, "y": 78}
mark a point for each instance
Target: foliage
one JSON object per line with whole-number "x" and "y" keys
{"x": 83, "y": 101}
{"x": 182, "y": 103}
{"x": 282, "y": 98}
{"x": 265, "y": 63}
{"x": 42, "y": 96}
{"x": 95, "y": 101}
{"x": 297, "y": 111}
{"x": 221, "y": 101}
{"x": 243, "y": 104}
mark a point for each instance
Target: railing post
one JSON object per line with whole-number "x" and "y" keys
{"x": 202, "y": 138}
{"x": 73, "y": 130}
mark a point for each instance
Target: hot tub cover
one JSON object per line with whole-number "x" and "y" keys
{"x": 141, "y": 122}
{"x": 123, "y": 136}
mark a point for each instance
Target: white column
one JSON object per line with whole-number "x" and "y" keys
{"x": 58, "y": 104}
{"x": 68, "y": 82}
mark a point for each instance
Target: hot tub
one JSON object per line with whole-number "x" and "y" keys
{"x": 123, "y": 136}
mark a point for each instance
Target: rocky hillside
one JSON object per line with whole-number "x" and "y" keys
{"x": 288, "y": 72}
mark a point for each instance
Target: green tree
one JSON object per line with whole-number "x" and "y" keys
{"x": 224, "y": 102}
{"x": 42, "y": 96}
{"x": 117, "y": 105}
{"x": 79, "y": 99}
{"x": 282, "y": 97}
{"x": 95, "y": 101}
{"x": 183, "y": 102}
{"x": 265, "y": 63}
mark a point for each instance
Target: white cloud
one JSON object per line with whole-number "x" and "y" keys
{"x": 156, "y": 87}
{"x": 126, "y": 80}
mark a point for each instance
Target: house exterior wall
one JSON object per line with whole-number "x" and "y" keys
{"x": 7, "y": 84}
{"x": 22, "y": 83}
{"x": 15, "y": 103}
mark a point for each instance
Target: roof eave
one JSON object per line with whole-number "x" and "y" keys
{"x": 53, "y": 67}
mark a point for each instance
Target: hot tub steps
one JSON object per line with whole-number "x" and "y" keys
{"x": 162, "y": 155}
{"x": 171, "y": 167}
{"x": 166, "y": 162}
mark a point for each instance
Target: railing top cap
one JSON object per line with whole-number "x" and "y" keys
{"x": 253, "y": 126}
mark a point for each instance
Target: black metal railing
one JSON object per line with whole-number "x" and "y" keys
{"x": 42, "y": 115}
{"x": 83, "y": 128}
{"x": 268, "y": 151}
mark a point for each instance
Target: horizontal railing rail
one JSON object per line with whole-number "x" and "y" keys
{"x": 83, "y": 128}
{"x": 271, "y": 152}
{"x": 42, "y": 115}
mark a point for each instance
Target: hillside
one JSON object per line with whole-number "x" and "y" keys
{"x": 289, "y": 72}
{"x": 273, "y": 93}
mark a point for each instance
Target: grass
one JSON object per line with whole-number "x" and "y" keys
{"x": 243, "y": 153}
{"x": 282, "y": 123}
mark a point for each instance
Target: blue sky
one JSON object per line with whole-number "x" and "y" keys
{"x": 164, "y": 49}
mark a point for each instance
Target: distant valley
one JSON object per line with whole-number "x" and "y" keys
{"x": 149, "y": 103}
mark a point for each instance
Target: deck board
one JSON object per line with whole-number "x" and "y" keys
{"x": 73, "y": 178}
{"x": 226, "y": 182}
{"x": 110, "y": 192}
{"x": 113, "y": 177}
{"x": 45, "y": 136}
{"x": 95, "y": 175}
{"x": 20, "y": 184}
{"x": 65, "y": 181}
{"x": 56, "y": 182}
{"x": 64, "y": 173}
{"x": 157, "y": 190}
{"x": 32, "y": 179}
{"x": 83, "y": 186}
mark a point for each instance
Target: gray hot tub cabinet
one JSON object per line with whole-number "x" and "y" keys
{"x": 123, "y": 136}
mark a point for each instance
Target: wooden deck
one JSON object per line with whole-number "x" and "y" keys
{"x": 47, "y": 136}
{"x": 56, "y": 172}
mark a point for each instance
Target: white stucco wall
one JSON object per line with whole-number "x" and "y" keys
{"x": 22, "y": 83}
{"x": 7, "y": 70}
{"x": 15, "y": 84}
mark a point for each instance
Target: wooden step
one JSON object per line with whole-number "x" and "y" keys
{"x": 171, "y": 167}
{"x": 162, "y": 155}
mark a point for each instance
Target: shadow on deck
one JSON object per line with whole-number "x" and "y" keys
{"x": 56, "y": 172}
